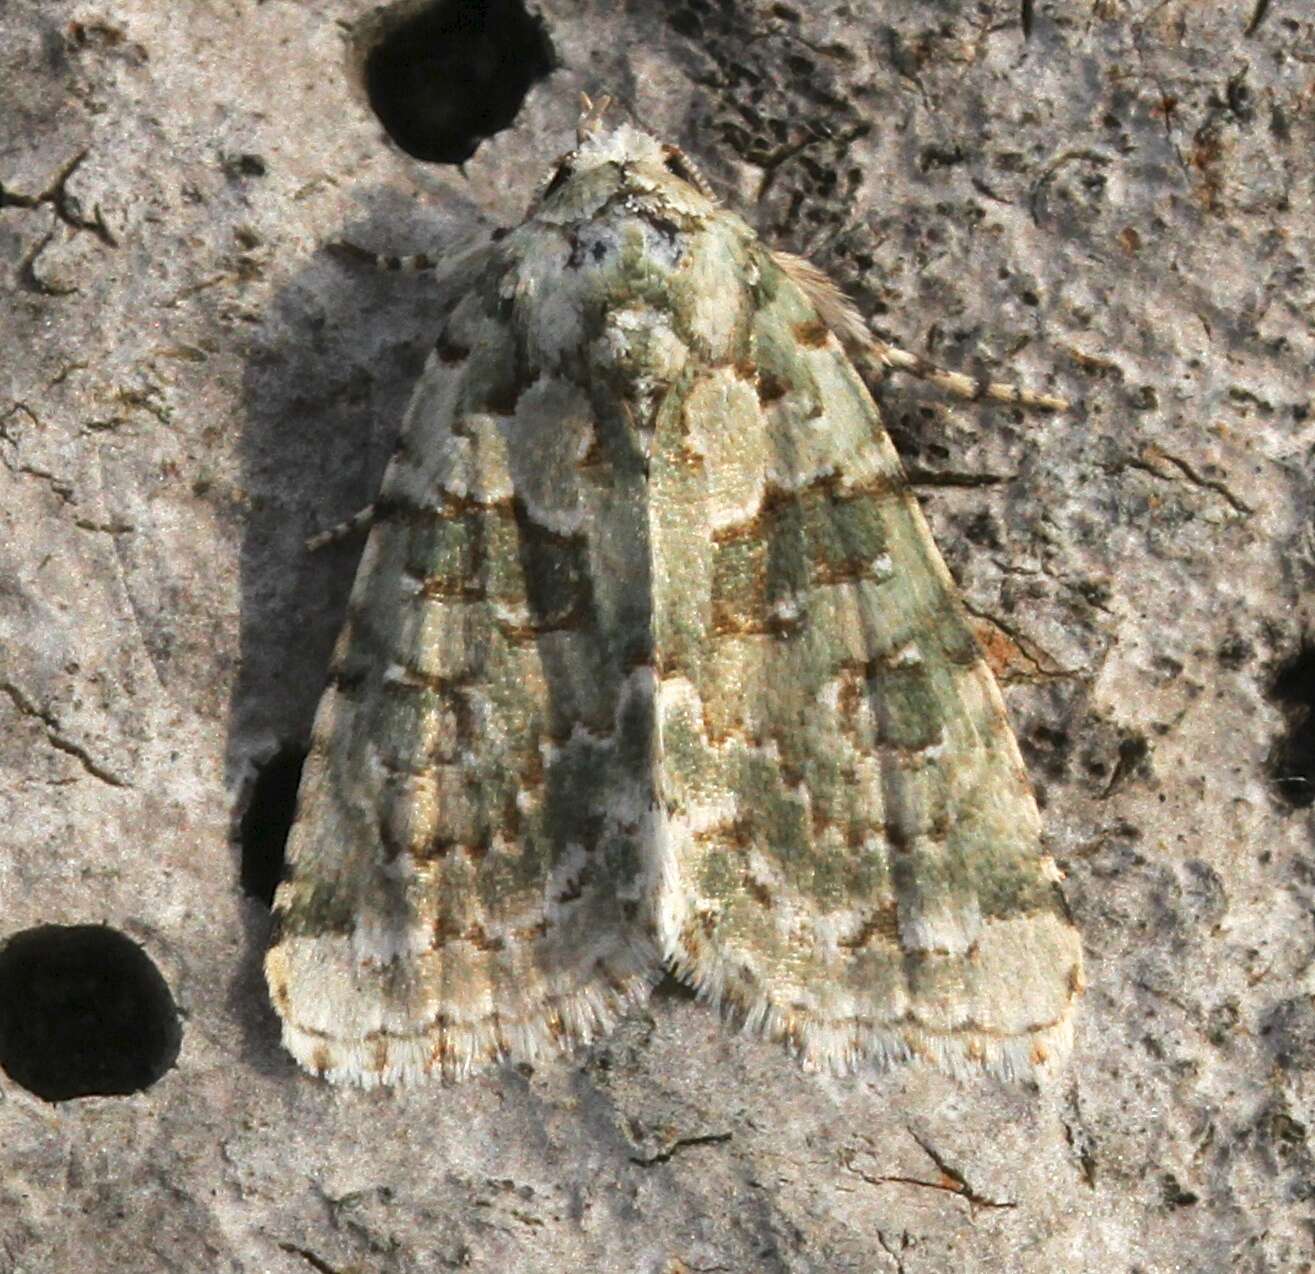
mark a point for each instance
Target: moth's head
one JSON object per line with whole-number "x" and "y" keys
{"x": 617, "y": 157}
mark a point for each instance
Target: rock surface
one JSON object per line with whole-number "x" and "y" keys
{"x": 1113, "y": 200}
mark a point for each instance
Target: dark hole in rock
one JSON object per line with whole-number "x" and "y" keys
{"x": 266, "y": 822}
{"x": 447, "y": 75}
{"x": 1292, "y": 758}
{"x": 84, "y": 1012}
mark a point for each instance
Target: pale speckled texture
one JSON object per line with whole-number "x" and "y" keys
{"x": 1122, "y": 200}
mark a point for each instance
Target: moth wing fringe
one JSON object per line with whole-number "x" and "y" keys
{"x": 843, "y": 1048}
{"x": 457, "y": 1050}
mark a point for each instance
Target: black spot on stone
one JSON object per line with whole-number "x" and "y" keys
{"x": 84, "y": 1012}
{"x": 1239, "y": 98}
{"x": 1290, "y": 1031}
{"x": 444, "y": 77}
{"x": 1221, "y": 1023}
{"x": 244, "y": 165}
{"x": 1234, "y": 652}
{"x": 266, "y": 821}
{"x": 1046, "y": 749}
{"x": 937, "y": 156}
{"x": 1174, "y": 1194}
{"x": 1204, "y": 898}
{"x": 1291, "y": 762}
{"x": 1097, "y": 591}
{"x": 1133, "y": 752}
{"x": 982, "y": 530}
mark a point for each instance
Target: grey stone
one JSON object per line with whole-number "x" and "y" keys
{"x": 1117, "y": 205}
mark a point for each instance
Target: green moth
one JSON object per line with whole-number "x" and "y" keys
{"x": 651, "y": 664}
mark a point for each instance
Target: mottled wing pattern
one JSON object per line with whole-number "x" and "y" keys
{"x": 856, "y": 862}
{"x": 465, "y": 879}
{"x": 651, "y": 658}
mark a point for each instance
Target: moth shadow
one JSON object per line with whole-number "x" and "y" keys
{"x": 330, "y": 370}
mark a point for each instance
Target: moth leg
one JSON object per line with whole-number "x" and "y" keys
{"x": 359, "y": 521}
{"x": 416, "y": 263}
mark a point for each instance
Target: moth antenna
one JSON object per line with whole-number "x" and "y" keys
{"x": 957, "y": 384}
{"x": 840, "y": 314}
{"x": 591, "y": 115}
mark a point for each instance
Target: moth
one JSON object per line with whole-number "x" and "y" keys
{"x": 651, "y": 665}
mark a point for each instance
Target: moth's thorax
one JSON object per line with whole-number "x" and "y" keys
{"x": 623, "y": 234}
{"x": 623, "y": 164}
